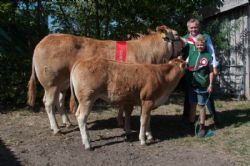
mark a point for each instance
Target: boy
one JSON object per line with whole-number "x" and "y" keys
{"x": 200, "y": 79}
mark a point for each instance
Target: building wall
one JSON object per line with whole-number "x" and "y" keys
{"x": 234, "y": 74}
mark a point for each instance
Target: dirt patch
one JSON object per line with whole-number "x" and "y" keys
{"x": 25, "y": 139}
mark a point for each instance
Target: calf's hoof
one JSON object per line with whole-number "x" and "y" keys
{"x": 131, "y": 136}
{"x": 143, "y": 143}
{"x": 89, "y": 148}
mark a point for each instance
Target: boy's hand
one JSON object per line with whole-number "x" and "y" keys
{"x": 210, "y": 88}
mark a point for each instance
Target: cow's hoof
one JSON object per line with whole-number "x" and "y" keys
{"x": 57, "y": 133}
{"x": 150, "y": 141}
{"x": 69, "y": 125}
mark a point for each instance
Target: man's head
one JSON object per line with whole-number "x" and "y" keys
{"x": 200, "y": 43}
{"x": 193, "y": 26}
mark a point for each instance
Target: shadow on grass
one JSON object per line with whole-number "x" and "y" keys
{"x": 171, "y": 127}
{"x": 163, "y": 127}
{"x": 7, "y": 157}
{"x": 235, "y": 117}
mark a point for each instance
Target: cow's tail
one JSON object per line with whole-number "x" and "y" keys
{"x": 32, "y": 88}
{"x": 73, "y": 104}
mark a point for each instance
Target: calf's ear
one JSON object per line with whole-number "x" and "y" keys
{"x": 179, "y": 57}
{"x": 184, "y": 65}
{"x": 170, "y": 62}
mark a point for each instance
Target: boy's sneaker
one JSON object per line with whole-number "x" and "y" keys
{"x": 201, "y": 133}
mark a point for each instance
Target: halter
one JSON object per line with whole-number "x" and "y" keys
{"x": 171, "y": 40}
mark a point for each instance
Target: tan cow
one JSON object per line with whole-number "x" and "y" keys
{"x": 148, "y": 85}
{"x": 55, "y": 55}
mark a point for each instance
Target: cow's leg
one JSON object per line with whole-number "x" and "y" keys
{"x": 82, "y": 113}
{"x": 145, "y": 114}
{"x": 61, "y": 108}
{"x": 128, "y": 110}
{"x": 119, "y": 117}
{"x": 49, "y": 99}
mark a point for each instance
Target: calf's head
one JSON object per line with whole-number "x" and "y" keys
{"x": 180, "y": 63}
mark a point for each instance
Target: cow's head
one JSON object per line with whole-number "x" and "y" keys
{"x": 171, "y": 37}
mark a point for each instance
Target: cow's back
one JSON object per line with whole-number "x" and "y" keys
{"x": 55, "y": 55}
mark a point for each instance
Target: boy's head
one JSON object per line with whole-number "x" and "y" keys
{"x": 200, "y": 43}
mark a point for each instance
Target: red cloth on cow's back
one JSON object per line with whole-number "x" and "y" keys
{"x": 121, "y": 51}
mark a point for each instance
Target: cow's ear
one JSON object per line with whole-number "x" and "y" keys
{"x": 162, "y": 28}
{"x": 150, "y": 31}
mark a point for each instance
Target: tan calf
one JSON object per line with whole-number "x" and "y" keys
{"x": 125, "y": 85}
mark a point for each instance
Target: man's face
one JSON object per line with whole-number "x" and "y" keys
{"x": 193, "y": 29}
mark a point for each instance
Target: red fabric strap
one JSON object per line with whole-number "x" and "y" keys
{"x": 191, "y": 40}
{"x": 121, "y": 51}
{"x": 190, "y": 68}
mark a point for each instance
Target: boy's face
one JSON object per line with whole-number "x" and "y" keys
{"x": 200, "y": 46}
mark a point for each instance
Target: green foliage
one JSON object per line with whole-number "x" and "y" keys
{"x": 20, "y": 30}
{"x": 114, "y": 19}
{"x": 221, "y": 32}
{"x": 23, "y": 23}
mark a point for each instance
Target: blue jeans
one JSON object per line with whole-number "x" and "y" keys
{"x": 198, "y": 95}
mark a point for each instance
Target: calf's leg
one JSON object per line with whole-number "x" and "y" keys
{"x": 145, "y": 116}
{"x": 82, "y": 113}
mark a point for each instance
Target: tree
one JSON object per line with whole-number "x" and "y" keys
{"x": 22, "y": 27}
{"x": 24, "y": 23}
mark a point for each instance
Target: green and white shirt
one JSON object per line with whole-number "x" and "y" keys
{"x": 199, "y": 65}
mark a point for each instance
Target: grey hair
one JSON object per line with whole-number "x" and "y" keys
{"x": 193, "y": 20}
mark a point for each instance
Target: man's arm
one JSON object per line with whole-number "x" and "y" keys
{"x": 210, "y": 48}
